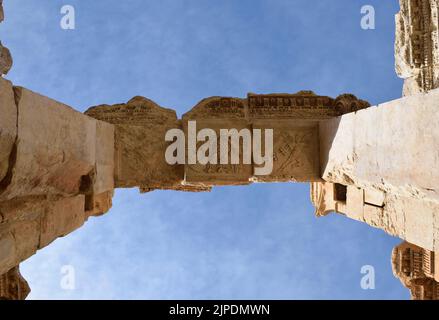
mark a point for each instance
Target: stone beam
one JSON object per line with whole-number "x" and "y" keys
{"x": 380, "y": 167}
{"x": 141, "y": 125}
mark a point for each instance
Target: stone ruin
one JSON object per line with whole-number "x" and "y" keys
{"x": 377, "y": 165}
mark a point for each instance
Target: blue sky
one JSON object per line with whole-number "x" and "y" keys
{"x": 256, "y": 242}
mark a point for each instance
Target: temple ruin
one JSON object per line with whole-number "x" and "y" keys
{"x": 59, "y": 167}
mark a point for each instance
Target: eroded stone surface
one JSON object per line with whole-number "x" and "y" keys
{"x": 301, "y": 105}
{"x": 13, "y": 286}
{"x": 8, "y": 128}
{"x": 140, "y": 128}
{"x": 415, "y": 267}
{"x": 59, "y": 171}
{"x": 417, "y": 45}
{"x": 5, "y": 60}
{"x": 56, "y": 147}
{"x": 295, "y": 151}
{"x": 406, "y": 217}
{"x": 57, "y": 150}
{"x": 392, "y": 147}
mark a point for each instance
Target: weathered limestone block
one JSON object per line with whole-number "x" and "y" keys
{"x": 217, "y": 113}
{"x": 7, "y": 252}
{"x": 61, "y": 218}
{"x": 59, "y": 151}
{"x": 8, "y": 128}
{"x": 417, "y": 45}
{"x": 140, "y": 128}
{"x": 13, "y": 286}
{"x": 295, "y": 150}
{"x": 373, "y": 215}
{"x": 355, "y": 203}
{"x": 30, "y": 224}
{"x": 5, "y": 60}
{"x": 393, "y": 147}
{"x": 20, "y": 230}
{"x": 56, "y": 147}
{"x": 99, "y": 188}
{"x": 57, "y": 169}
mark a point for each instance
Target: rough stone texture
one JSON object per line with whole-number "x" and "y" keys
{"x": 63, "y": 217}
{"x": 218, "y": 113}
{"x": 13, "y": 286}
{"x": 8, "y": 128}
{"x": 417, "y": 45}
{"x": 57, "y": 169}
{"x": 56, "y": 147}
{"x": 56, "y": 150}
{"x": 295, "y": 151}
{"x": 412, "y": 219}
{"x": 416, "y": 268}
{"x": 140, "y": 127}
{"x": 382, "y": 147}
{"x": 5, "y": 60}
{"x": 31, "y": 224}
{"x": 301, "y": 105}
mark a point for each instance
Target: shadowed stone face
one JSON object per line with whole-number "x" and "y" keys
{"x": 13, "y": 286}
{"x": 416, "y": 268}
{"x": 5, "y": 60}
